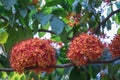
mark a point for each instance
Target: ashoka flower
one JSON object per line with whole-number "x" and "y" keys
{"x": 33, "y": 52}
{"x": 114, "y": 46}
{"x": 84, "y": 48}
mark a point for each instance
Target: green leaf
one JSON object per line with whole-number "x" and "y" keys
{"x": 59, "y": 12}
{"x": 17, "y": 34}
{"x": 55, "y": 38}
{"x": 53, "y": 3}
{"x": 66, "y": 73}
{"x": 77, "y": 7}
{"x": 64, "y": 37}
{"x": 118, "y": 18}
{"x": 42, "y": 18}
{"x": 75, "y": 74}
{"x": 3, "y": 37}
{"x": 57, "y": 25}
{"x": 7, "y": 4}
{"x": 118, "y": 31}
{"x": 93, "y": 70}
{"x": 12, "y": 19}
{"x": 79, "y": 74}
{"x": 23, "y": 12}
{"x": 23, "y": 3}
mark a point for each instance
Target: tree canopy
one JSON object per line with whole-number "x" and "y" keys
{"x": 73, "y": 47}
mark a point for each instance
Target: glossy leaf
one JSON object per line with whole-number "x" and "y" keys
{"x": 42, "y": 18}
{"x": 57, "y": 25}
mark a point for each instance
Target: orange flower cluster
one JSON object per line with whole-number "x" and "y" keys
{"x": 31, "y": 53}
{"x": 74, "y": 19}
{"x": 114, "y": 46}
{"x": 84, "y": 48}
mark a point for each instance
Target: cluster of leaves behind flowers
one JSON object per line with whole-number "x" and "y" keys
{"x": 33, "y": 52}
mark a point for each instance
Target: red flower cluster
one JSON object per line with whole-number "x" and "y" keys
{"x": 33, "y": 52}
{"x": 84, "y": 48}
{"x": 114, "y": 46}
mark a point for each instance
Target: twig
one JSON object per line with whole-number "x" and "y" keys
{"x": 65, "y": 65}
{"x": 43, "y": 30}
{"x": 104, "y": 21}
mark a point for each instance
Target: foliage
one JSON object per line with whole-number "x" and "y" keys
{"x": 63, "y": 20}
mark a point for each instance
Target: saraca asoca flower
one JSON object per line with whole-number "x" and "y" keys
{"x": 33, "y": 52}
{"x": 114, "y": 46}
{"x": 84, "y": 48}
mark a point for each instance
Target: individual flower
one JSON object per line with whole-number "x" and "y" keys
{"x": 84, "y": 48}
{"x": 114, "y": 46}
{"x": 33, "y": 53}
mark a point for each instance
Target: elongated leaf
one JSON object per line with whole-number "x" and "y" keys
{"x": 7, "y": 4}
{"x": 57, "y": 25}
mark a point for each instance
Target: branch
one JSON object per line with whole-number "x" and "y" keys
{"x": 104, "y": 61}
{"x": 43, "y": 30}
{"x": 104, "y": 21}
{"x": 65, "y": 65}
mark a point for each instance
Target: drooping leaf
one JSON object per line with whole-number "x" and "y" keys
{"x": 7, "y": 4}
{"x": 57, "y": 25}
